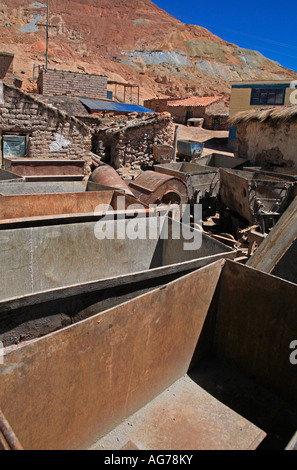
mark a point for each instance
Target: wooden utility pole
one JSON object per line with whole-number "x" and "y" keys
{"x": 47, "y": 25}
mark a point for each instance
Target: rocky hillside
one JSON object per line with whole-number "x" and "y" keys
{"x": 129, "y": 40}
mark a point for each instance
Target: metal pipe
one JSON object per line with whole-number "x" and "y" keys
{"x": 8, "y": 434}
{"x": 175, "y": 142}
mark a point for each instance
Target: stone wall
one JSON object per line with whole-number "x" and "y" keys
{"x": 65, "y": 83}
{"x": 157, "y": 105}
{"x": 265, "y": 144}
{"x": 6, "y": 67}
{"x": 49, "y": 132}
{"x": 132, "y": 145}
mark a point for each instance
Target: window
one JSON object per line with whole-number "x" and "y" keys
{"x": 14, "y": 146}
{"x": 267, "y": 96}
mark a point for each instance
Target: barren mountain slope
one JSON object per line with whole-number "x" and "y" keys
{"x": 129, "y": 40}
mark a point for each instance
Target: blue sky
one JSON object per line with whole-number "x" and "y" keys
{"x": 267, "y": 27}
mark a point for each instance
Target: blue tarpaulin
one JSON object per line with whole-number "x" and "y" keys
{"x": 101, "y": 105}
{"x": 14, "y": 146}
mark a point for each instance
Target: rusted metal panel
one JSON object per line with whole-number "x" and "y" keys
{"x": 199, "y": 363}
{"x": 151, "y": 187}
{"x": 89, "y": 377}
{"x": 201, "y": 181}
{"x": 43, "y": 167}
{"x": 255, "y": 325}
{"x": 45, "y": 187}
{"x": 254, "y": 195}
{"x": 277, "y": 254}
{"x": 107, "y": 176}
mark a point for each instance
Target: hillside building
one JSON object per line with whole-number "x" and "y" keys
{"x": 30, "y": 128}
{"x": 209, "y": 108}
{"x": 6, "y": 67}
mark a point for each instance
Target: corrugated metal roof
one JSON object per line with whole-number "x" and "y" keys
{"x": 195, "y": 101}
{"x": 102, "y": 105}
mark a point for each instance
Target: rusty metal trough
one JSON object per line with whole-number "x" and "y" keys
{"x": 52, "y": 209}
{"x": 221, "y": 160}
{"x": 202, "y": 362}
{"x": 46, "y": 187}
{"x": 255, "y": 196}
{"x": 202, "y": 182}
{"x": 153, "y": 187}
{"x": 40, "y": 258}
{"x": 47, "y": 170}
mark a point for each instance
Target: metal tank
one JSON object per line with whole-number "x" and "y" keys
{"x": 107, "y": 176}
{"x": 154, "y": 188}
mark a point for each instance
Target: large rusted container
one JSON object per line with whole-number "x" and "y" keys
{"x": 283, "y": 174}
{"x": 205, "y": 362}
{"x": 52, "y": 209}
{"x": 47, "y": 170}
{"x": 107, "y": 176}
{"x": 221, "y": 160}
{"x": 202, "y": 182}
{"x": 40, "y": 258}
{"x": 255, "y": 196}
{"x": 18, "y": 187}
{"x": 154, "y": 188}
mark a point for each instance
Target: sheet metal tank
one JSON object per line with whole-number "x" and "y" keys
{"x": 154, "y": 188}
{"x": 107, "y": 176}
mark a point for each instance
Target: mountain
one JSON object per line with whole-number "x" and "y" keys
{"x": 129, "y": 40}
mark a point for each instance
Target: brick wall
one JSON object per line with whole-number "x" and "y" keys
{"x": 6, "y": 67}
{"x": 158, "y": 105}
{"x": 64, "y": 83}
{"x": 45, "y": 128}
